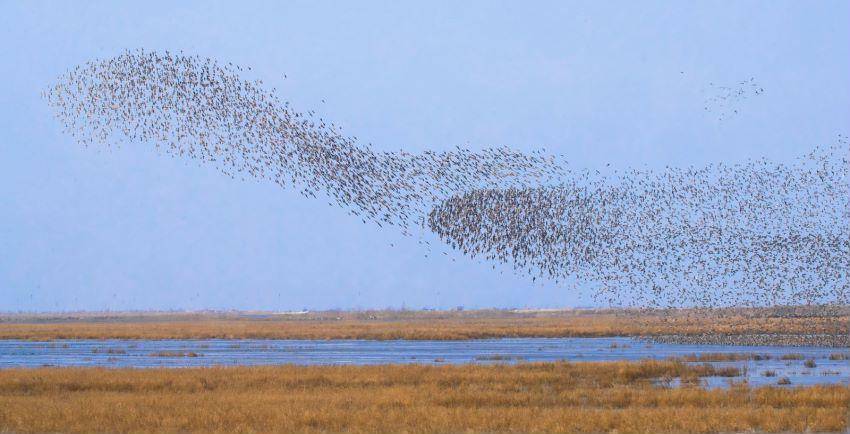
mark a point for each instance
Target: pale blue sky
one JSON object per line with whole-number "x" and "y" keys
{"x": 619, "y": 82}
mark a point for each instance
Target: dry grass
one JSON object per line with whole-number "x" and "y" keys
{"x": 792, "y": 356}
{"x": 387, "y": 325}
{"x": 724, "y": 357}
{"x": 174, "y": 354}
{"x": 551, "y": 397}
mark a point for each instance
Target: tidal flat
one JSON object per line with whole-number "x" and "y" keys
{"x": 801, "y": 366}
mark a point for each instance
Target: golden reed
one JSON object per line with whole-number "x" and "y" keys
{"x": 560, "y": 397}
{"x": 387, "y": 325}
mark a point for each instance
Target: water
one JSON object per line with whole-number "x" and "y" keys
{"x": 246, "y": 352}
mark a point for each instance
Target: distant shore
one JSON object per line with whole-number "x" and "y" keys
{"x": 788, "y": 324}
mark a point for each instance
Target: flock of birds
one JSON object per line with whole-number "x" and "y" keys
{"x": 196, "y": 108}
{"x": 724, "y": 100}
{"x": 749, "y": 234}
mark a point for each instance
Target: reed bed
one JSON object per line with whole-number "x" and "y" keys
{"x": 792, "y": 356}
{"x": 175, "y": 354}
{"x": 540, "y": 397}
{"x": 724, "y": 357}
{"x": 414, "y": 325}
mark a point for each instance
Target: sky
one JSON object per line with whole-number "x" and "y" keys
{"x": 614, "y": 82}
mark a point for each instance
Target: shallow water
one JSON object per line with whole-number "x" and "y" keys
{"x": 143, "y": 354}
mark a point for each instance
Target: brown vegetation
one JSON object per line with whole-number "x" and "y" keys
{"x": 724, "y": 357}
{"x": 175, "y": 354}
{"x": 386, "y": 325}
{"x": 792, "y": 356}
{"x": 547, "y": 397}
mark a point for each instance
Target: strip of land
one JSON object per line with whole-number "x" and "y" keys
{"x": 545, "y": 397}
{"x": 798, "y": 327}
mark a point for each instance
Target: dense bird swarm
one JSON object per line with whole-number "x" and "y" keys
{"x": 745, "y": 234}
{"x": 756, "y": 233}
{"x": 194, "y": 107}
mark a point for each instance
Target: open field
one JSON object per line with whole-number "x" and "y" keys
{"x": 546, "y": 397}
{"x": 419, "y": 325}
